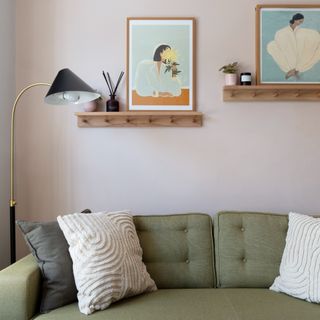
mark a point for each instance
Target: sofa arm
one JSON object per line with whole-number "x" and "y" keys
{"x": 19, "y": 289}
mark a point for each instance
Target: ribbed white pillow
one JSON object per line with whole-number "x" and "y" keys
{"x": 300, "y": 265}
{"x": 107, "y": 258}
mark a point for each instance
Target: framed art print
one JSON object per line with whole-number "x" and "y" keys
{"x": 160, "y": 64}
{"x": 288, "y": 44}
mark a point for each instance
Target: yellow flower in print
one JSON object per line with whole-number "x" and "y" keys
{"x": 170, "y": 55}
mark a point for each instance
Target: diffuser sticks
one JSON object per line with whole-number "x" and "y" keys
{"x": 112, "y": 90}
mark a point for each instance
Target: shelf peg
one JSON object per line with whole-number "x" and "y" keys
{"x": 297, "y": 94}
{"x": 276, "y": 94}
{"x": 254, "y": 94}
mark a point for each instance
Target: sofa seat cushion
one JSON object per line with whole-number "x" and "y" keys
{"x": 204, "y": 304}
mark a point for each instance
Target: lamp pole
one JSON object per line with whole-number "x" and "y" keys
{"x": 12, "y": 202}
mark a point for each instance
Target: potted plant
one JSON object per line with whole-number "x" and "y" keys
{"x": 230, "y": 71}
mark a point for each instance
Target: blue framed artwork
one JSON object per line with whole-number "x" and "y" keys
{"x": 160, "y": 64}
{"x": 288, "y": 44}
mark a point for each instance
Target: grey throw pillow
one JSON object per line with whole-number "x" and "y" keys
{"x": 51, "y": 250}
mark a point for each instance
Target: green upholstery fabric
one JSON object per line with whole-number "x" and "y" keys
{"x": 19, "y": 290}
{"x": 199, "y": 304}
{"x": 248, "y": 248}
{"x": 177, "y": 249}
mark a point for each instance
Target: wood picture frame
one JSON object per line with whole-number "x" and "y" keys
{"x": 281, "y": 54}
{"x": 161, "y": 73}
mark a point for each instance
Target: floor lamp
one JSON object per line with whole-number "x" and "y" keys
{"x": 67, "y": 88}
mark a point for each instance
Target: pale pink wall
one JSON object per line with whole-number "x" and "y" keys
{"x": 7, "y": 90}
{"x": 247, "y": 156}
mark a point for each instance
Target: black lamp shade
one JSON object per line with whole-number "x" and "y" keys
{"x": 68, "y": 88}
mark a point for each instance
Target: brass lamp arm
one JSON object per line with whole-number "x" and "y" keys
{"x": 12, "y": 201}
{"x": 65, "y": 81}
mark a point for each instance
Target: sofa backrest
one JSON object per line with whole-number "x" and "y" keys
{"x": 248, "y": 248}
{"x": 177, "y": 249}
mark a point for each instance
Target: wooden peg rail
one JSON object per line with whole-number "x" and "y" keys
{"x": 272, "y": 93}
{"x": 139, "y": 119}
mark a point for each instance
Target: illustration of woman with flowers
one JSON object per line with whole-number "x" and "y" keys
{"x": 159, "y": 77}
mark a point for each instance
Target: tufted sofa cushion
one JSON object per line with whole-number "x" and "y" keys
{"x": 249, "y": 248}
{"x": 177, "y": 249}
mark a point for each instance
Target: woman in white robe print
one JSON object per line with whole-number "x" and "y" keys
{"x": 295, "y": 49}
{"x": 151, "y": 78}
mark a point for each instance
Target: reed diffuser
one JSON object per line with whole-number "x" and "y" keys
{"x": 112, "y": 104}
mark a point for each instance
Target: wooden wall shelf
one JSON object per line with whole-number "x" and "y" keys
{"x": 272, "y": 93}
{"x": 139, "y": 119}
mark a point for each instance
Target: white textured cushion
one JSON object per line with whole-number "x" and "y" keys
{"x": 107, "y": 258}
{"x": 300, "y": 264}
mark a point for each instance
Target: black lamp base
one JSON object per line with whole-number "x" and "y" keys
{"x": 13, "y": 234}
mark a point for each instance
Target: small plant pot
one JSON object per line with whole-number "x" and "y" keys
{"x": 231, "y": 79}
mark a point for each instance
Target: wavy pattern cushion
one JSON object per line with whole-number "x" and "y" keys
{"x": 107, "y": 258}
{"x": 300, "y": 264}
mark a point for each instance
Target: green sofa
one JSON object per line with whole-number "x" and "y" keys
{"x": 204, "y": 270}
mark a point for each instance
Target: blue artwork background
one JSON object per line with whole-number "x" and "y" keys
{"x": 146, "y": 38}
{"x": 271, "y": 22}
